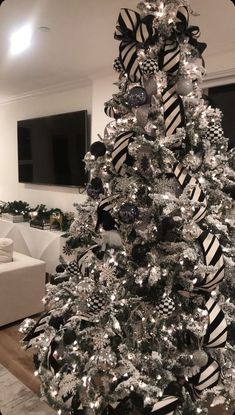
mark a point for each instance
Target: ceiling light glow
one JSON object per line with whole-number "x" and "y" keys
{"x": 21, "y": 39}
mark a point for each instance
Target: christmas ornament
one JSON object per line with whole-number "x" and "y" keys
{"x": 174, "y": 388}
{"x": 86, "y": 286}
{"x": 128, "y": 213}
{"x": 95, "y": 188}
{"x": 169, "y": 58}
{"x": 151, "y": 87}
{"x": 216, "y": 333}
{"x": 149, "y": 67}
{"x": 133, "y": 33}
{"x": 137, "y": 96}
{"x": 117, "y": 66}
{"x": 120, "y": 155}
{"x": 184, "y": 86}
{"x": 69, "y": 337}
{"x": 141, "y": 114}
{"x": 139, "y": 252}
{"x": 106, "y": 359}
{"x": 166, "y": 406}
{"x": 97, "y": 302}
{"x": 200, "y": 358}
{"x": 166, "y": 306}
{"x": 60, "y": 268}
{"x": 173, "y": 110}
{"x": 97, "y": 149}
{"x": 72, "y": 268}
{"x": 215, "y": 133}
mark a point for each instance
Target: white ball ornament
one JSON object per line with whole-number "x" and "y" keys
{"x": 200, "y": 358}
{"x": 184, "y": 86}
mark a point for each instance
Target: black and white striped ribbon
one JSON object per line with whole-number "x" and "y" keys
{"x": 120, "y": 155}
{"x": 182, "y": 18}
{"x": 173, "y": 110}
{"x": 216, "y": 334}
{"x": 133, "y": 33}
{"x": 84, "y": 259}
{"x": 207, "y": 378}
{"x": 109, "y": 111}
{"x": 104, "y": 216}
{"x": 32, "y": 338}
{"x": 166, "y": 406}
{"x": 196, "y": 195}
{"x": 213, "y": 256}
{"x": 170, "y": 57}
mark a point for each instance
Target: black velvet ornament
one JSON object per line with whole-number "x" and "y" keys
{"x": 128, "y": 213}
{"x": 60, "y": 268}
{"x": 231, "y": 333}
{"x": 98, "y": 149}
{"x": 173, "y": 389}
{"x": 95, "y": 188}
{"x": 137, "y": 96}
{"x": 139, "y": 252}
{"x": 69, "y": 337}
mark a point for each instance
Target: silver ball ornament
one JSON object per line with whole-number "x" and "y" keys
{"x": 137, "y": 96}
{"x": 141, "y": 114}
{"x": 151, "y": 87}
{"x": 184, "y": 86}
{"x": 200, "y": 358}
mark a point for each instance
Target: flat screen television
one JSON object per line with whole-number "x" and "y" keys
{"x": 51, "y": 149}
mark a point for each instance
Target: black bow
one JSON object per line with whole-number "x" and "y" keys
{"x": 134, "y": 33}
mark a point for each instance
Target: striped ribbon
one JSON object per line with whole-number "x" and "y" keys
{"x": 104, "y": 216}
{"x": 170, "y": 57}
{"x": 39, "y": 328}
{"x": 120, "y": 155}
{"x": 84, "y": 259}
{"x": 173, "y": 110}
{"x": 196, "y": 195}
{"x": 216, "y": 334}
{"x": 207, "y": 378}
{"x": 166, "y": 406}
{"x": 133, "y": 33}
{"x": 182, "y": 19}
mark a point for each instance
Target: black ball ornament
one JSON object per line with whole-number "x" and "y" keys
{"x": 97, "y": 149}
{"x": 137, "y": 96}
{"x": 95, "y": 188}
{"x": 60, "y": 268}
{"x": 128, "y": 213}
{"x": 139, "y": 252}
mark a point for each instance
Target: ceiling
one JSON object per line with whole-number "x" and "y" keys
{"x": 80, "y": 45}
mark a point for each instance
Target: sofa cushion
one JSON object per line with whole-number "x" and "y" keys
{"x": 6, "y": 250}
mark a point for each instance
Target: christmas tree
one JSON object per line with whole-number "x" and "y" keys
{"x": 142, "y": 321}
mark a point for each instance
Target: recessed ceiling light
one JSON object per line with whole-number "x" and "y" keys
{"x": 21, "y": 39}
{"x": 44, "y": 28}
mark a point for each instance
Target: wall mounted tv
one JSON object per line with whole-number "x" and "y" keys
{"x": 51, "y": 149}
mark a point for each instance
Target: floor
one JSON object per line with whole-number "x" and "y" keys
{"x": 20, "y": 362}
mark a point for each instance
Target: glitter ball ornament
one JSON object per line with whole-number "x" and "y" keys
{"x": 149, "y": 67}
{"x": 106, "y": 359}
{"x": 128, "y": 213}
{"x": 150, "y": 86}
{"x": 95, "y": 188}
{"x": 137, "y": 96}
{"x": 200, "y": 358}
{"x": 184, "y": 86}
{"x": 72, "y": 268}
{"x": 97, "y": 149}
{"x": 96, "y": 302}
{"x": 166, "y": 306}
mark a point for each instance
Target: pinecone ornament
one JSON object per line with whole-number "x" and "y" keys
{"x": 166, "y": 306}
{"x": 72, "y": 268}
{"x": 149, "y": 67}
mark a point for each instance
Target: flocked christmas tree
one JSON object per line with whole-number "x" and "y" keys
{"x": 142, "y": 320}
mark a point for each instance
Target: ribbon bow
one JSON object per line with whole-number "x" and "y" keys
{"x": 134, "y": 33}
{"x": 192, "y": 32}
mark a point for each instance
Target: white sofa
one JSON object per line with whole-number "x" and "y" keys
{"x": 22, "y": 287}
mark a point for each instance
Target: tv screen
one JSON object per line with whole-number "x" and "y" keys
{"x": 51, "y": 149}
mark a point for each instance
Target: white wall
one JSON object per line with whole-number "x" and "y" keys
{"x": 40, "y": 105}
